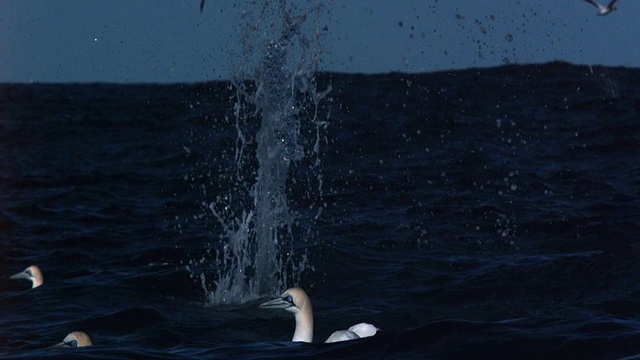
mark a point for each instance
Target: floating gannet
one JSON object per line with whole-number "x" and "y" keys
{"x": 296, "y": 301}
{"x": 32, "y": 273}
{"x": 75, "y": 339}
{"x": 601, "y": 9}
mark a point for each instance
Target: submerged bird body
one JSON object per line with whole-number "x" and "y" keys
{"x": 32, "y": 273}
{"x": 364, "y": 330}
{"x": 602, "y": 10}
{"x": 342, "y": 335}
{"x": 357, "y": 331}
{"x": 297, "y": 301}
{"x": 75, "y": 339}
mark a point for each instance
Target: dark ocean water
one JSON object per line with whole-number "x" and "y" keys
{"x": 485, "y": 213}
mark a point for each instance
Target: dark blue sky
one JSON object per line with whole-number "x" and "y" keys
{"x": 171, "y": 41}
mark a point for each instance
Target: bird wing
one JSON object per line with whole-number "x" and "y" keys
{"x": 594, "y": 3}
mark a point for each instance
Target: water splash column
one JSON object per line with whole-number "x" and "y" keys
{"x": 278, "y": 145}
{"x": 258, "y": 255}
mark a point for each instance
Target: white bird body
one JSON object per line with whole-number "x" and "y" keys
{"x": 357, "y": 331}
{"x": 603, "y": 10}
{"x": 32, "y": 273}
{"x": 296, "y": 301}
{"x": 364, "y": 330}
{"x": 342, "y": 335}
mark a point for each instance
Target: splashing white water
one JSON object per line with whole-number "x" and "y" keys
{"x": 259, "y": 252}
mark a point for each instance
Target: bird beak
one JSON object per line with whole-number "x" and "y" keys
{"x": 278, "y": 303}
{"x": 20, "y": 275}
{"x": 59, "y": 345}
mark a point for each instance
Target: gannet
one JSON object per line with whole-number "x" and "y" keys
{"x": 603, "y": 10}
{"x": 75, "y": 339}
{"x": 296, "y": 301}
{"x": 32, "y": 273}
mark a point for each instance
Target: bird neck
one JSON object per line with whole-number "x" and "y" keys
{"x": 304, "y": 327}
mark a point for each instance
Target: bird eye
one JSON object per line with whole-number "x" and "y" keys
{"x": 289, "y": 299}
{"x": 73, "y": 343}
{"x": 28, "y": 272}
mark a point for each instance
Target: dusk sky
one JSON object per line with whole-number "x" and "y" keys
{"x": 169, "y": 41}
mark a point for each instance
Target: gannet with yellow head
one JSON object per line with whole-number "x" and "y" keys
{"x": 296, "y": 301}
{"x": 31, "y": 273}
{"x": 75, "y": 339}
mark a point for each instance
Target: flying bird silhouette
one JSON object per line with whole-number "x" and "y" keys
{"x": 601, "y": 9}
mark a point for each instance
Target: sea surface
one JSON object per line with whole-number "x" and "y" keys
{"x": 481, "y": 213}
